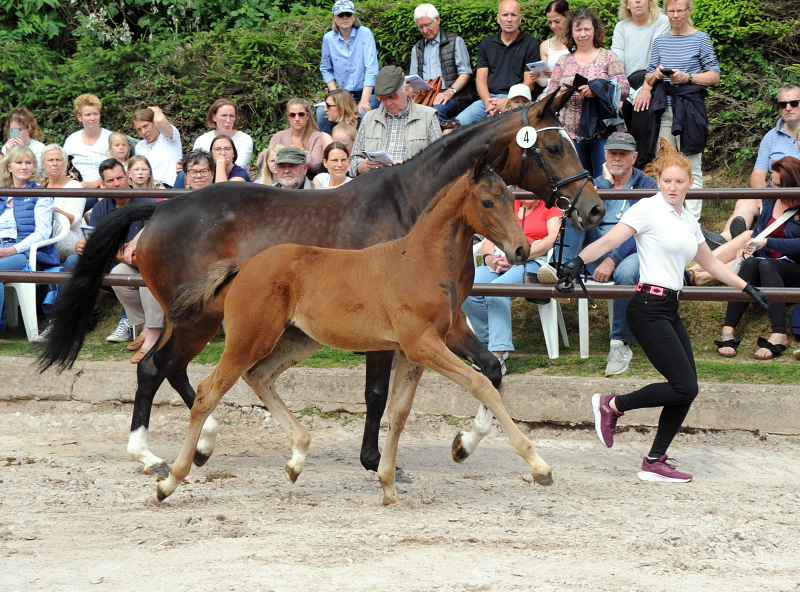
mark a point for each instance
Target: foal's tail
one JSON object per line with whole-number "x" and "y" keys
{"x": 193, "y": 297}
{"x": 70, "y": 314}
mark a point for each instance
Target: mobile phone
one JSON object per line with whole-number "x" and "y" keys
{"x": 579, "y": 80}
{"x": 13, "y": 133}
{"x": 667, "y": 71}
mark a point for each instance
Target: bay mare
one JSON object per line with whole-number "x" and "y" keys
{"x": 395, "y": 295}
{"x": 186, "y": 235}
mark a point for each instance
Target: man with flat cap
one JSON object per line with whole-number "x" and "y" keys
{"x": 292, "y": 168}
{"x": 399, "y": 126}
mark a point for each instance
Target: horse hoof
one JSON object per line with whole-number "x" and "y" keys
{"x": 200, "y": 459}
{"x": 159, "y": 470}
{"x": 544, "y": 478}
{"x": 161, "y": 495}
{"x": 459, "y": 452}
{"x": 291, "y": 474}
{"x": 400, "y": 476}
{"x": 390, "y": 498}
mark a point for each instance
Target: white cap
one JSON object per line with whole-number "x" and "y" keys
{"x": 519, "y": 90}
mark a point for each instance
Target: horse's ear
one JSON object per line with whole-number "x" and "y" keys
{"x": 554, "y": 104}
{"x": 480, "y": 166}
{"x": 500, "y": 164}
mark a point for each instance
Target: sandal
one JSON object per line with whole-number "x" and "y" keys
{"x": 776, "y": 349}
{"x": 727, "y": 341}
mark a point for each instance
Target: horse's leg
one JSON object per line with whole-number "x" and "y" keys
{"x": 406, "y": 378}
{"x": 429, "y": 350}
{"x": 149, "y": 379}
{"x": 293, "y": 347}
{"x": 463, "y": 342}
{"x": 376, "y": 392}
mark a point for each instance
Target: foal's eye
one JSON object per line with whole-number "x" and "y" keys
{"x": 553, "y": 150}
{"x": 487, "y": 203}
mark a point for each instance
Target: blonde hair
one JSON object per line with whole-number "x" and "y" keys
{"x": 346, "y": 104}
{"x": 26, "y": 118}
{"x": 311, "y": 123}
{"x": 266, "y": 175}
{"x": 87, "y": 100}
{"x": 689, "y": 6}
{"x": 667, "y": 156}
{"x": 350, "y": 130}
{"x": 652, "y": 16}
{"x": 13, "y": 155}
{"x": 115, "y": 135}
{"x": 139, "y": 158}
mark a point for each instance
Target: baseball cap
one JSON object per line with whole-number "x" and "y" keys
{"x": 291, "y": 155}
{"x": 341, "y": 6}
{"x": 519, "y": 90}
{"x": 621, "y": 141}
{"x": 388, "y": 81}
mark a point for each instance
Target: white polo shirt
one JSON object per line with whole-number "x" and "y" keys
{"x": 665, "y": 240}
{"x": 163, "y": 155}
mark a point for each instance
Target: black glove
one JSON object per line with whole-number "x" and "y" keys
{"x": 568, "y": 273}
{"x": 760, "y": 297}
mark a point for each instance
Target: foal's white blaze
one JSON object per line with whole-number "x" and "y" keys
{"x": 481, "y": 426}
{"x": 208, "y": 436}
{"x": 137, "y": 448}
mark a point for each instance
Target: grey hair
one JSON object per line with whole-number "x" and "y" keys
{"x": 428, "y": 10}
{"x": 63, "y": 152}
{"x": 789, "y": 86}
{"x": 198, "y": 155}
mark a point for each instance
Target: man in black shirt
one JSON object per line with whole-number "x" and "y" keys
{"x": 501, "y": 64}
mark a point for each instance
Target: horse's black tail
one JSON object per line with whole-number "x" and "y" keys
{"x": 70, "y": 314}
{"x": 193, "y": 297}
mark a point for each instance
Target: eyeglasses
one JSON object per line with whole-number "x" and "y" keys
{"x": 330, "y": 105}
{"x": 295, "y": 115}
{"x": 221, "y": 149}
{"x": 193, "y": 173}
{"x": 139, "y": 170}
{"x": 345, "y": 14}
{"x": 793, "y": 104}
{"x": 389, "y": 97}
{"x": 678, "y": 12}
{"x": 423, "y": 26}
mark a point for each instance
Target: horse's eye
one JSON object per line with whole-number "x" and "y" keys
{"x": 487, "y": 203}
{"x": 553, "y": 149}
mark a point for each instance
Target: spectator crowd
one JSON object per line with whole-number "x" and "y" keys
{"x": 648, "y": 91}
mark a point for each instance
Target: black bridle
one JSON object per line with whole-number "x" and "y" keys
{"x": 556, "y": 199}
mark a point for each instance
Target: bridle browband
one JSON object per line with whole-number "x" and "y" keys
{"x": 556, "y": 199}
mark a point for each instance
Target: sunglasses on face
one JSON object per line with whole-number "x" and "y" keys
{"x": 330, "y": 105}
{"x": 345, "y": 14}
{"x": 389, "y": 97}
{"x": 793, "y": 104}
{"x": 295, "y": 115}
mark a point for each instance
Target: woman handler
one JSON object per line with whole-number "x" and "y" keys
{"x": 667, "y": 238}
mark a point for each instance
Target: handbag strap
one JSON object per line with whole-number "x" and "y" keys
{"x": 769, "y": 229}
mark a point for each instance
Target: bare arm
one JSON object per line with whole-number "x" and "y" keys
{"x": 758, "y": 179}
{"x": 482, "y": 84}
{"x": 541, "y": 247}
{"x": 611, "y": 240}
{"x": 716, "y": 268}
{"x": 161, "y": 122}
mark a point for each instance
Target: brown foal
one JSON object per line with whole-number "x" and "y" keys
{"x": 401, "y": 295}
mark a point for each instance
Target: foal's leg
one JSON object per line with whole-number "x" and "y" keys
{"x": 406, "y": 378}
{"x": 429, "y": 350}
{"x": 463, "y": 342}
{"x": 376, "y": 392}
{"x": 293, "y": 347}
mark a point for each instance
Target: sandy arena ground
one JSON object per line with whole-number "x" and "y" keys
{"x": 77, "y": 514}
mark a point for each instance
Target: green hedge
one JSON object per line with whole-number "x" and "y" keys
{"x": 262, "y": 56}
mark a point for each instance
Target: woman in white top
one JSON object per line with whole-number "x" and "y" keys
{"x": 55, "y": 160}
{"x": 667, "y": 238}
{"x": 89, "y": 146}
{"x": 222, "y": 117}
{"x": 557, "y": 13}
{"x": 21, "y": 129}
{"x": 337, "y": 162}
{"x": 161, "y": 143}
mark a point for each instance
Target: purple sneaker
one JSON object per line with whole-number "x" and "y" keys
{"x": 662, "y": 470}
{"x": 605, "y": 418}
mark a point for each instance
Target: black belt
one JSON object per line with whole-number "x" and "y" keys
{"x": 659, "y": 291}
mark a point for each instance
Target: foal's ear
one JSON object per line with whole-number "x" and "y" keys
{"x": 553, "y": 104}
{"x": 480, "y": 166}
{"x": 499, "y": 165}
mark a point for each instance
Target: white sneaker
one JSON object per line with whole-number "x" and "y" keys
{"x": 547, "y": 274}
{"x": 619, "y": 358}
{"x": 123, "y": 332}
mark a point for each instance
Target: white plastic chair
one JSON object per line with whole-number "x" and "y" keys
{"x": 23, "y": 295}
{"x": 583, "y": 317}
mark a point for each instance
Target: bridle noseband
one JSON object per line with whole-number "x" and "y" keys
{"x": 556, "y": 199}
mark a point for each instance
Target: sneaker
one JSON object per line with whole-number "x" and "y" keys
{"x": 123, "y": 332}
{"x": 713, "y": 239}
{"x": 619, "y": 358}
{"x": 547, "y": 274}
{"x": 738, "y": 226}
{"x": 605, "y": 418}
{"x": 662, "y": 470}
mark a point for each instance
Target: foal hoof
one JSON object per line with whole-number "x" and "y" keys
{"x": 460, "y": 454}
{"x": 400, "y": 476}
{"x": 544, "y": 478}
{"x": 291, "y": 474}
{"x": 200, "y": 459}
{"x": 159, "y": 470}
{"x": 161, "y": 495}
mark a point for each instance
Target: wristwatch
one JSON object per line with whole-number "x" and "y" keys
{"x": 690, "y": 78}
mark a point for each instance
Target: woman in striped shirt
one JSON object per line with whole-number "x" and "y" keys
{"x": 684, "y": 61}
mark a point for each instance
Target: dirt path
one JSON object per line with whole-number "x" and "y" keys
{"x": 76, "y": 514}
